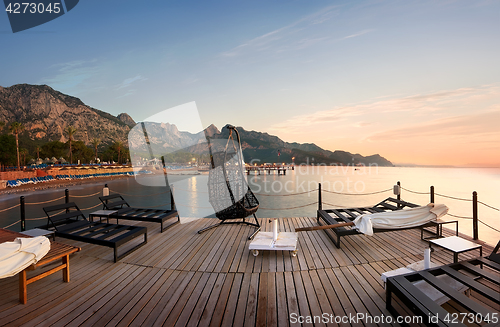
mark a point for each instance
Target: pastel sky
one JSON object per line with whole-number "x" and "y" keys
{"x": 414, "y": 81}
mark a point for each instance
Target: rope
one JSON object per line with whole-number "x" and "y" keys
{"x": 181, "y": 189}
{"x": 184, "y": 205}
{"x": 452, "y": 197}
{"x": 305, "y": 205}
{"x": 91, "y": 207}
{"x": 489, "y": 226}
{"x": 32, "y": 203}
{"x": 136, "y": 194}
{"x": 84, "y": 196}
{"x": 334, "y": 205}
{"x": 415, "y": 191}
{"x": 17, "y": 205}
{"x": 484, "y": 204}
{"x": 287, "y": 194}
{"x": 462, "y": 217}
{"x": 390, "y": 189}
{"x": 12, "y": 224}
{"x": 40, "y": 218}
{"x": 160, "y": 205}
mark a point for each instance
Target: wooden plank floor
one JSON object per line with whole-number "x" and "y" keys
{"x": 181, "y": 278}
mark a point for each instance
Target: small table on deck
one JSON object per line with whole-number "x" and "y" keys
{"x": 456, "y": 245}
{"x": 101, "y": 214}
{"x": 40, "y": 232}
{"x": 439, "y": 229}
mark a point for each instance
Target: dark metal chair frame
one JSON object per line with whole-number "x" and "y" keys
{"x": 420, "y": 304}
{"x": 125, "y": 211}
{"x": 72, "y": 224}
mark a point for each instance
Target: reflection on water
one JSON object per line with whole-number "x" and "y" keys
{"x": 342, "y": 186}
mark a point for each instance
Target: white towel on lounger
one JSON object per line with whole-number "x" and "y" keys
{"x": 405, "y": 218}
{"x": 21, "y": 253}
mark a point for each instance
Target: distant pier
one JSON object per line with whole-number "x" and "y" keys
{"x": 257, "y": 170}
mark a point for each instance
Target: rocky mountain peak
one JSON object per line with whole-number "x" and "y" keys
{"x": 46, "y": 114}
{"x": 126, "y": 119}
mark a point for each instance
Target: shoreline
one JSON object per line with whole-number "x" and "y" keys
{"x": 57, "y": 184}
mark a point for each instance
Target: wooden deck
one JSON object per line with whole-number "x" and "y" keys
{"x": 181, "y": 278}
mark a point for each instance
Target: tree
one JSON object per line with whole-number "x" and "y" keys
{"x": 16, "y": 128}
{"x": 95, "y": 143}
{"x": 23, "y": 152}
{"x": 118, "y": 146}
{"x": 70, "y": 130}
{"x": 53, "y": 149}
{"x": 1, "y": 125}
{"x": 82, "y": 152}
{"x": 7, "y": 150}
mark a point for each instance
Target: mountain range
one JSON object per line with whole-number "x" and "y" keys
{"x": 46, "y": 113}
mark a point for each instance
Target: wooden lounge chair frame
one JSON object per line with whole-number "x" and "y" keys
{"x": 66, "y": 223}
{"x": 421, "y": 305}
{"x": 125, "y": 211}
{"x": 345, "y": 218}
{"x": 57, "y": 251}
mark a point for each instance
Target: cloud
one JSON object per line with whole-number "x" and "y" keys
{"x": 266, "y": 41}
{"x": 71, "y": 75}
{"x": 363, "y": 32}
{"x": 400, "y": 110}
{"x": 129, "y": 81}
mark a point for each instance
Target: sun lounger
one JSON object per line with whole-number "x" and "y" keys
{"x": 341, "y": 216}
{"x": 57, "y": 251}
{"x": 481, "y": 275}
{"x": 69, "y": 222}
{"x": 125, "y": 211}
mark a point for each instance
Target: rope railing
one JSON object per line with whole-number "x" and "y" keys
{"x": 190, "y": 206}
{"x": 370, "y": 193}
{"x": 482, "y": 222}
{"x": 415, "y": 192}
{"x": 452, "y": 197}
{"x": 85, "y": 196}
{"x": 9, "y": 208}
{"x": 92, "y": 207}
{"x": 39, "y": 218}
{"x": 334, "y": 205}
{"x": 160, "y": 205}
{"x": 43, "y": 202}
{"x": 12, "y": 224}
{"x": 461, "y": 217}
{"x": 139, "y": 195}
{"x": 487, "y": 205}
{"x": 310, "y": 191}
{"x": 302, "y": 206}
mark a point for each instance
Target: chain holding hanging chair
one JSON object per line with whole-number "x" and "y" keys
{"x": 228, "y": 191}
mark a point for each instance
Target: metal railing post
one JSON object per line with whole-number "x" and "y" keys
{"x": 432, "y": 194}
{"x": 399, "y": 195}
{"x": 475, "y": 231}
{"x": 66, "y": 194}
{"x": 23, "y": 215}
{"x": 320, "y": 204}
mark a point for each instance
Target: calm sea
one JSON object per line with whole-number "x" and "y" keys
{"x": 295, "y": 194}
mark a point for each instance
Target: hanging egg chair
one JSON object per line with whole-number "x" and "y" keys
{"x": 228, "y": 190}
